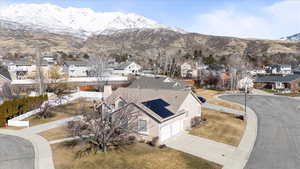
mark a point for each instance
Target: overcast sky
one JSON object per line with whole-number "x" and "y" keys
{"x": 270, "y": 19}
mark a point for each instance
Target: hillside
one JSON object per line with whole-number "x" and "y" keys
{"x": 145, "y": 44}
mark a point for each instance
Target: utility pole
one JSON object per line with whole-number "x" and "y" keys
{"x": 40, "y": 75}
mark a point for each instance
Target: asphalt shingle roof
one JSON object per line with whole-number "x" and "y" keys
{"x": 4, "y": 72}
{"x": 276, "y": 78}
{"x": 157, "y": 83}
{"x": 171, "y": 100}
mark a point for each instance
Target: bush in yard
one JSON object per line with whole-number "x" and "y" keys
{"x": 154, "y": 142}
{"x": 195, "y": 121}
{"x": 45, "y": 111}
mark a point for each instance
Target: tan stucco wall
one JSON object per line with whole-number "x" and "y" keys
{"x": 152, "y": 127}
{"x": 193, "y": 107}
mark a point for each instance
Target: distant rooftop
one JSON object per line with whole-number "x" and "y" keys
{"x": 276, "y": 78}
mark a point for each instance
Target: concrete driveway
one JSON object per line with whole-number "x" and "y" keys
{"x": 201, "y": 147}
{"x": 278, "y": 139}
{"x": 16, "y": 153}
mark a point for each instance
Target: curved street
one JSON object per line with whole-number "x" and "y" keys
{"x": 278, "y": 137}
{"x": 16, "y": 153}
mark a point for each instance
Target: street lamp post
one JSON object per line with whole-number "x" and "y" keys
{"x": 245, "y": 101}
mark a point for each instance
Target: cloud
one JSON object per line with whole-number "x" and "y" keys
{"x": 272, "y": 22}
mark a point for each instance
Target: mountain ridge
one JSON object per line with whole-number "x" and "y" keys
{"x": 295, "y": 37}
{"x": 80, "y": 22}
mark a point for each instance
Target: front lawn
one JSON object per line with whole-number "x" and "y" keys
{"x": 56, "y": 133}
{"x": 220, "y": 127}
{"x": 209, "y": 95}
{"x": 136, "y": 156}
{"x": 62, "y": 111}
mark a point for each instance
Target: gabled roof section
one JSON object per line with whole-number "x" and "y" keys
{"x": 159, "y": 104}
{"x": 4, "y": 73}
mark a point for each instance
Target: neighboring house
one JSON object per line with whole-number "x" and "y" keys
{"x": 278, "y": 69}
{"x": 280, "y": 82}
{"x": 163, "y": 113}
{"x": 159, "y": 83}
{"x": 50, "y": 59}
{"x": 224, "y": 80}
{"x": 185, "y": 68}
{"x": 5, "y": 79}
{"x": 127, "y": 68}
{"x": 76, "y": 68}
{"x": 20, "y": 69}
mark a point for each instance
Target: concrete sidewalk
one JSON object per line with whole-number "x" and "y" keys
{"x": 223, "y": 109}
{"x": 240, "y": 156}
{"x": 229, "y": 156}
{"x": 49, "y": 125}
{"x": 42, "y": 150}
{"x": 201, "y": 147}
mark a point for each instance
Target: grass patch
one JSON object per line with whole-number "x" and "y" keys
{"x": 136, "y": 156}
{"x": 56, "y": 133}
{"x": 209, "y": 95}
{"x": 62, "y": 111}
{"x": 288, "y": 94}
{"x": 221, "y": 127}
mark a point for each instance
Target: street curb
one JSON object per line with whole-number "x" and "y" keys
{"x": 240, "y": 156}
{"x": 42, "y": 150}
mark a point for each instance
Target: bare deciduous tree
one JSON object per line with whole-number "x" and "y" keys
{"x": 98, "y": 65}
{"x": 102, "y": 127}
{"x": 45, "y": 112}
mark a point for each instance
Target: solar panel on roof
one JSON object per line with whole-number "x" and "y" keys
{"x": 158, "y": 106}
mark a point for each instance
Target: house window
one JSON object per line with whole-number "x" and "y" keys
{"x": 298, "y": 84}
{"x": 142, "y": 126}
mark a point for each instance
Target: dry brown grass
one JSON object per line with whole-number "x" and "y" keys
{"x": 209, "y": 95}
{"x": 220, "y": 127}
{"x": 56, "y": 133}
{"x": 62, "y": 111}
{"x": 137, "y": 156}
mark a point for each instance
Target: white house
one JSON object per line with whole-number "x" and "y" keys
{"x": 184, "y": 69}
{"x": 127, "y": 68}
{"x": 76, "y": 68}
{"x": 279, "y": 69}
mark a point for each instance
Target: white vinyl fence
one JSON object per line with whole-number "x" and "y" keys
{"x": 16, "y": 121}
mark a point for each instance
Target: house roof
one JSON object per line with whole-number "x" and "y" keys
{"x": 157, "y": 83}
{"x": 4, "y": 73}
{"x": 77, "y": 63}
{"x": 159, "y": 104}
{"x": 122, "y": 66}
{"x": 276, "y": 78}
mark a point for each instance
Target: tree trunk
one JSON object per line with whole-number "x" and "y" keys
{"x": 104, "y": 148}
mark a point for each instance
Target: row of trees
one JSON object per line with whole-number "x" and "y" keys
{"x": 15, "y": 107}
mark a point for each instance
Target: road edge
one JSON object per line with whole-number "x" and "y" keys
{"x": 241, "y": 155}
{"x": 42, "y": 150}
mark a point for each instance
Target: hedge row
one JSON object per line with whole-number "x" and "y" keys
{"x": 15, "y": 107}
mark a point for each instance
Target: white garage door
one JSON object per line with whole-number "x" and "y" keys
{"x": 170, "y": 130}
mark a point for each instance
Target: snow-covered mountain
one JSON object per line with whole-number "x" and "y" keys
{"x": 82, "y": 22}
{"x": 295, "y": 37}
